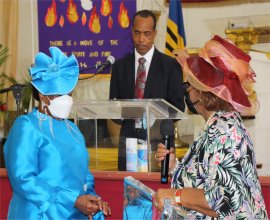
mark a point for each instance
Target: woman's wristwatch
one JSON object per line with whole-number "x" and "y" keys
{"x": 177, "y": 197}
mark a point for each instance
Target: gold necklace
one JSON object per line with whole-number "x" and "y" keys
{"x": 208, "y": 120}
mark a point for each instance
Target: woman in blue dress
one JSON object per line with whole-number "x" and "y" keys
{"x": 217, "y": 178}
{"x": 45, "y": 153}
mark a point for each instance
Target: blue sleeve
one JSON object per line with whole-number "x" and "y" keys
{"x": 21, "y": 160}
{"x": 90, "y": 184}
{"x": 91, "y": 190}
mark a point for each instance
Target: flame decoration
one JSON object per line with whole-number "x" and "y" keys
{"x": 106, "y": 7}
{"x": 84, "y": 19}
{"x": 94, "y": 22}
{"x": 110, "y": 22}
{"x": 123, "y": 18}
{"x": 61, "y": 21}
{"x": 72, "y": 14}
{"x": 51, "y": 15}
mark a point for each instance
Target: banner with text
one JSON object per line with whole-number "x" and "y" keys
{"x": 92, "y": 30}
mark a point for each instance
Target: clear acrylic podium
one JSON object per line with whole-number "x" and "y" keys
{"x": 91, "y": 116}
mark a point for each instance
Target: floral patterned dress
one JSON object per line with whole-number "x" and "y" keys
{"x": 222, "y": 162}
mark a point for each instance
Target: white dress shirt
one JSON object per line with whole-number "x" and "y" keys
{"x": 148, "y": 57}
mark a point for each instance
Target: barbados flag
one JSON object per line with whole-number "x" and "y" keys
{"x": 175, "y": 37}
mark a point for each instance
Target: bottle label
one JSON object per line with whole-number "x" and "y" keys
{"x": 142, "y": 158}
{"x": 131, "y": 155}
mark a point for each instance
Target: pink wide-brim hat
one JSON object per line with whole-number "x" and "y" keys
{"x": 223, "y": 69}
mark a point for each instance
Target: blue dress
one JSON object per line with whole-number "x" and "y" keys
{"x": 47, "y": 165}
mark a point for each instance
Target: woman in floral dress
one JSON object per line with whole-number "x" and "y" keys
{"x": 217, "y": 178}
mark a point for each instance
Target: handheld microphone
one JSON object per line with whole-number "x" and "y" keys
{"x": 166, "y": 130}
{"x": 110, "y": 60}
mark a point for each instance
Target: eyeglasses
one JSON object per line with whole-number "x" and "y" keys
{"x": 186, "y": 86}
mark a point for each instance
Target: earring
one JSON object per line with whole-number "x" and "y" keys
{"x": 200, "y": 96}
{"x": 44, "y": 107}
{"x": 45, "y": 110}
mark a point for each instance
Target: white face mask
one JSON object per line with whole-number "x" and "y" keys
{"x": 60, "y": 107}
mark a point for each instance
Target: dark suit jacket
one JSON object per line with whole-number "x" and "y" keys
{"x": 164, "y": 81}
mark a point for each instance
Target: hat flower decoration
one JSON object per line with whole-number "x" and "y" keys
{"x": 55, "y": 75}
{"x": 223, "y": 69}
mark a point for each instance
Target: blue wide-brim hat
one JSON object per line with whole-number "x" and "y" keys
{"x": 55, "y": 75}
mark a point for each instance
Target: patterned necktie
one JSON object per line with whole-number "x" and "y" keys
{"x": 140, "y": 79}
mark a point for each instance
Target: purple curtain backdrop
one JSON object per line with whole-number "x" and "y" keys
{"x": 188, "y": 1}
{"x": 65, "y": 24}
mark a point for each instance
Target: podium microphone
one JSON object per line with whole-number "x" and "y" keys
{"x": 166, "y": 130}
{"x": 110, "y": 60}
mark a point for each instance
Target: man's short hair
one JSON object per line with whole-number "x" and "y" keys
{"x": 145, "y": 14}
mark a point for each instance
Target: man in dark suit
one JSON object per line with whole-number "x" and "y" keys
{"x": 163, "y": 76}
